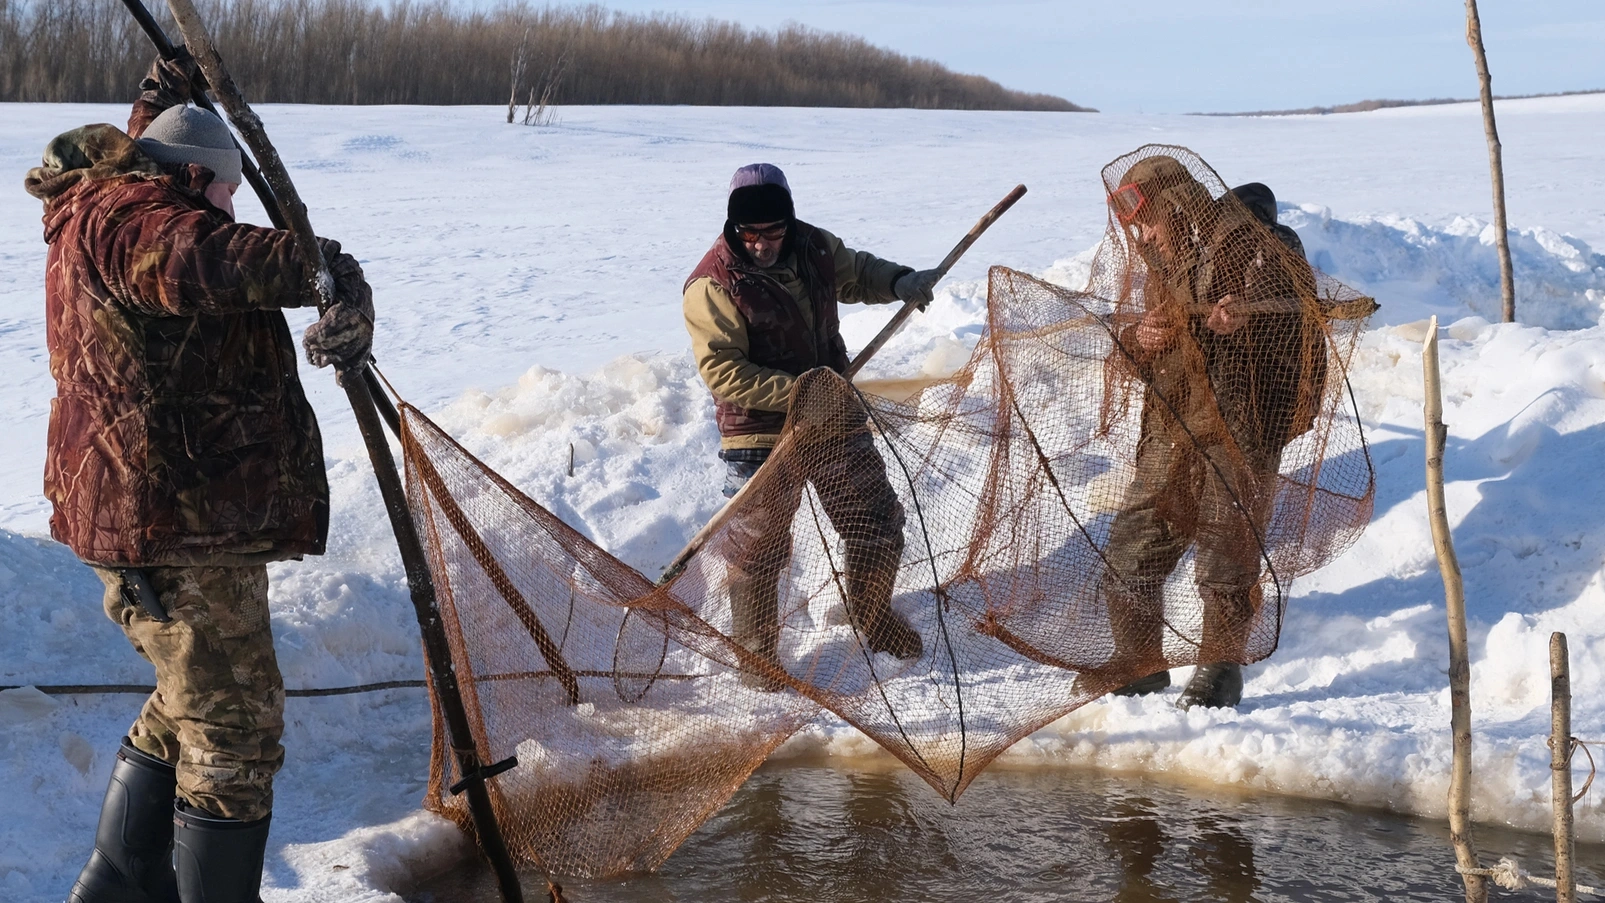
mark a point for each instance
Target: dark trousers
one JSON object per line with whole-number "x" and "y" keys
{"x": 849, "y": 478}
{"x": 1182, "y": 496}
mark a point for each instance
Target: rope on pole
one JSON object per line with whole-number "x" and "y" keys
{"x": 1508, "y": 874}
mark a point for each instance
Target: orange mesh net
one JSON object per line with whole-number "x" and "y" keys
{"x": 1120, "y": 480}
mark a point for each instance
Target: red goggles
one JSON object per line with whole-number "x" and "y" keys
{"x": 773, "y": 233}
{"x": 1125, "y": 201}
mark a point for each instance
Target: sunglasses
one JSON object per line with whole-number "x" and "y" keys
{"x": 1126, "y": 201}
{"x": 773, "y": 233}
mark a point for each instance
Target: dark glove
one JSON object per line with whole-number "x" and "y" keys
{"x": 174, "y": 82}
{"x": 917, "y": 286}
{"x": 343, "y": 336}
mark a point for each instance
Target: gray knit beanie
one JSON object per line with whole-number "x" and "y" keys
{"x": 192, "y": 135}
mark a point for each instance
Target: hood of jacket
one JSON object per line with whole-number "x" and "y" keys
{"x": 78, "y": 161}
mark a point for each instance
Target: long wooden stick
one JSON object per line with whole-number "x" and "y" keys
{"x": 1496, "y": 163}
{"x": 1560, "y": 764}
{"x": 437, "y": 651}
{"x": 907, "y": 310}
{"x": 677, "y": 566}
{"x": 1454, "y": 594}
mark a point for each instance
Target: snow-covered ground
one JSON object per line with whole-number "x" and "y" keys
{"x": 528, "y": 287}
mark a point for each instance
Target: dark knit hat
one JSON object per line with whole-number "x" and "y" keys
{"x": 759, "y": 194}
{"x": 1260, "y": 201}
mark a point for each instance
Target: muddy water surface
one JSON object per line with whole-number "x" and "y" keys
{"x": 822, "y": 833}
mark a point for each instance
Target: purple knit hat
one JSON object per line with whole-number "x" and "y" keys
{"x": 759, "y": 194}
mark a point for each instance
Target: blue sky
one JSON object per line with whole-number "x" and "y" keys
{"x": 1212, "y": 55}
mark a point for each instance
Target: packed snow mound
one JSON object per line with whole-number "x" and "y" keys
{"x": 1416, "y": 270}
{"x": 625, "y": 455}
{"x": 49, "y": 597}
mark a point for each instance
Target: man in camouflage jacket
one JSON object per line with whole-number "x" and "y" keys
{"x": 183, "y": 457}
{"x": 761, "y": 311}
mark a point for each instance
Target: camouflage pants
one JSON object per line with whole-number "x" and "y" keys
{"x": 1181, "y": 496}
{"x": 218, "y": 709}
{"x": 849, "y": 478}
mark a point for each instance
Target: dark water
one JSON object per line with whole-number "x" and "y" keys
{"x": 824, "y": 834}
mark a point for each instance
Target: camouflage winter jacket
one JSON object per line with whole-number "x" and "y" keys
{"x": 179, "y": 434}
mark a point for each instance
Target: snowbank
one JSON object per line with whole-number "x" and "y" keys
{"x": 1560, "y": 280}
{"x": 508, "y": 295}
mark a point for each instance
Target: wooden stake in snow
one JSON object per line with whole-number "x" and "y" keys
{"x": 1455, "y": 602}
{"x": 1560, "y": 764}
{"x": 1496, "y": 165}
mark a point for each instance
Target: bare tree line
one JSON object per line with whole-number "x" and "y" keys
{"x": 403, "y": 52}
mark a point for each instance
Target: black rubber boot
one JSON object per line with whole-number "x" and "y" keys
{"x": 1215, "y": 686}
{"x": 133, "y": 857}
{"x": 1143, "y": 686}
{"x": 892, "y": 633}
{"x": 218, "y": 860}
{"x": 869, "y": 606}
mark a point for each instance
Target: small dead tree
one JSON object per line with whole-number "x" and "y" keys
{"x": 543, "y": 91}
{"x": 1496, "y": 165}
{"x": 519, "y": 61}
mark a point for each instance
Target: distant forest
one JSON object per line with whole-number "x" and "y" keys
{"x": 401, "y": 52}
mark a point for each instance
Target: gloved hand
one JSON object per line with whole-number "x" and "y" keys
{"x": 917, "y": 286}
{"x": 174, "y": 82}
{"x": 343, "y": 336}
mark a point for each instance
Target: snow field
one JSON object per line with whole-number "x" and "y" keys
{"x": 513, "y": 267}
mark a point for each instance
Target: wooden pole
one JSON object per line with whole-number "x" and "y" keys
{"x": 1455, "y": 603}
{"x": 677, "y": 566}
{"x": 1560, "y": 764}
{"x": 264, "y": 193}
{"x": 437, "y": 652}
{"x": 1496, "y": 165}
{"x": 907, "y": 310}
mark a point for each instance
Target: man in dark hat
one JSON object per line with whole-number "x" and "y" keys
{"x": 183, "y": 458}
{"x": 761, "y": 310}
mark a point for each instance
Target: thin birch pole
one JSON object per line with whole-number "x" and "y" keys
{"x": 907, "y": 310}
{"x": 1496, "y": 164}
{"x": 1454, "y": 594}
{"x": 1560, "y": 764}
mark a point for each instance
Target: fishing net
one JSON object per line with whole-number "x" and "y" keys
{"x": 1120, "y": 480}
